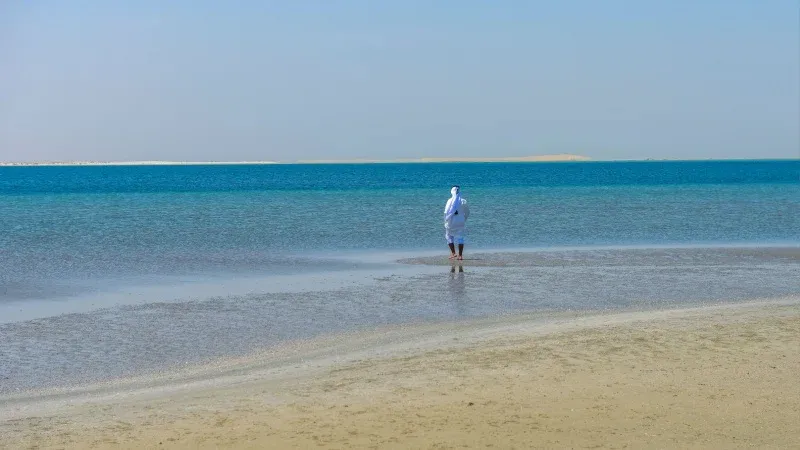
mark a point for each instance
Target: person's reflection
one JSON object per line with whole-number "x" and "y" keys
{"x": 456, "y": 283}
{"x": 457, "y": 290}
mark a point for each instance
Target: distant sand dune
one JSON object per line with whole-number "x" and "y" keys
{"x": 534, "y": 158}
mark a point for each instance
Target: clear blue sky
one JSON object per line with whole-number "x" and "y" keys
{"x": 247, "y": 80}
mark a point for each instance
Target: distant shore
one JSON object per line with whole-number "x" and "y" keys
{"x": 132, "y": 163}
{"x": 533, "y": 158}
{"x": 539, "y": 158}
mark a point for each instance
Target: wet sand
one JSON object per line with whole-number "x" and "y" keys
{"x": 713, "y": 377}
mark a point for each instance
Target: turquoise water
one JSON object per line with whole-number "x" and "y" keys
{"x": 65, "y": 228}
{"x": 111, "y": 271}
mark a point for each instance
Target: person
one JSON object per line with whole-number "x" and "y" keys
{"x": 456, "y": 213}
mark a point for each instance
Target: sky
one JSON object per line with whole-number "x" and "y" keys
{"x": 287, "y": 80}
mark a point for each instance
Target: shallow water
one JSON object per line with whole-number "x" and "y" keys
{"x": 69, "y": 230}
{"x": 146, "y": 337}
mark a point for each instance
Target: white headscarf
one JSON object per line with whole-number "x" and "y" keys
{"x": 453, "y": 203}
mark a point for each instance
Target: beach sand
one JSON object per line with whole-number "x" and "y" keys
{"x": 713, "y": 377}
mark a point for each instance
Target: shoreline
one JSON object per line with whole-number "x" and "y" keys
{"x": 300, "y": 380}
{"x": 367, "y": 267}
{"x": 425, "y": 289}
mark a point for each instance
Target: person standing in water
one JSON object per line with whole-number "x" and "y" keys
{"x": 456, "y": 213}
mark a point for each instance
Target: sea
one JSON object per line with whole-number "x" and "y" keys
{"x": 109, "y": 272}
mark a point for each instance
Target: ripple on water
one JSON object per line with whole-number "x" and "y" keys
{"x": 138, "y": 339}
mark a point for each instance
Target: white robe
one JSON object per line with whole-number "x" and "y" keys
{"x": 456, "y": 222}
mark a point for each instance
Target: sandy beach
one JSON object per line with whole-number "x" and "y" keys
{"x": 711, "y": 377}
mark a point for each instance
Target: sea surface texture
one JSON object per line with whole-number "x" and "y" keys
{"x": 112, "y": 271}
